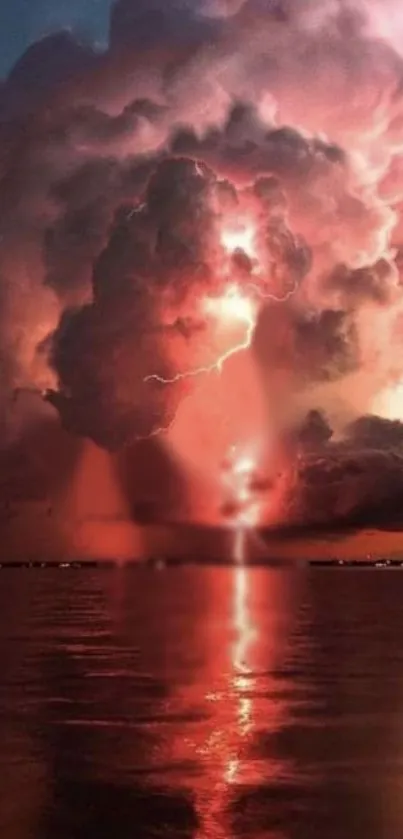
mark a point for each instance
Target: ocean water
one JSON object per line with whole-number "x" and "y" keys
{"x": 201, "y": 702}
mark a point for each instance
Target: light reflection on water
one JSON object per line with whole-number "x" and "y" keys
{"x": 226, "y": 763}
{"x": 224, "y": 744}
{"x": 201, "y": 703}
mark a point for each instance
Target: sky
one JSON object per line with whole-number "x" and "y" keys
{"x": 24, "y": 21}
{"x": 201, "y": 263}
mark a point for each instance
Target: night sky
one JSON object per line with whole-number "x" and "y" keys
{"x": 24, "y": 21}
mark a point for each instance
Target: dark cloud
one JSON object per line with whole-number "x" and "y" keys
{"x": 310, "y": 347}
{"x": 376, "y": 433}
{"x": 101, "y": 363}
{"x": 146, "y": 23}
{"x": 90, "y": 129}
{"x": 355, "y": 481}
{"x": 46, "y": 65}
{"x": 312, "y": 433}
{"x": 371, "y": 283}
{"x": 246, "y": 147}
{"x": 104, "y": 351}
{"x": 86, "y": 202}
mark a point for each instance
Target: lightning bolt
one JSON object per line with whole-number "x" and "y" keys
{"x": 236, "y": 305}
{"x": 267, "y": 295}
{"x": 162, "y": 429}
{"x": 247, "y": 314}
{"x": 215, "y": 367}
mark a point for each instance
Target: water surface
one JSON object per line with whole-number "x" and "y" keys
{"x": 207, "y": 703}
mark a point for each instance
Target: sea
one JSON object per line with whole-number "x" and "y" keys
{"x": 201, "y": 703}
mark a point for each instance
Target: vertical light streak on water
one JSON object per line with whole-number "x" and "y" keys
{"x": 225, "y": 745}
{"x": 244, "y": 636}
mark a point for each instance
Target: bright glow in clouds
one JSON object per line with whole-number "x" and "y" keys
{"x": 244, "y": 507}
{"x": 238, "y": 475}
{"x": 389, "y": 403}
{"x": 240, "y": 236}
{"x": 231, "y": 316}
{"x": 229, "y": 309}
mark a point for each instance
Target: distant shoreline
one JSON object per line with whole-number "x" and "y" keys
{"x": 161, "y": 563}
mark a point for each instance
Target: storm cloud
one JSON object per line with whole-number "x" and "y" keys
{"x": 354, "y": 481}
{"x": 122, "y": 171}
